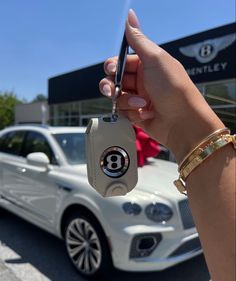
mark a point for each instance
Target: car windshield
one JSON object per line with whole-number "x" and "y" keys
{"x": 73, "y": 146}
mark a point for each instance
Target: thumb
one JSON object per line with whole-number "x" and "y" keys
{"x": 144, "y": 47}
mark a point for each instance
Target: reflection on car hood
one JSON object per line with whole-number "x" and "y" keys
{"x": 157, "y": 178}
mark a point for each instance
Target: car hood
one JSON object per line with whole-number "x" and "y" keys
{"x": 154, "y": 179}
{"x": 157, "y": 178}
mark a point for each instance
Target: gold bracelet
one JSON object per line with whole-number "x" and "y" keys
{"x": 202, "y": 144}
{"x": 213, "y": 143}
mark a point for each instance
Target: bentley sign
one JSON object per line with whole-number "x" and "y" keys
{"x": 209, "y": 55}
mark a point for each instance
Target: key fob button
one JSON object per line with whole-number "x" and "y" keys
{"x": 116, "y": 189}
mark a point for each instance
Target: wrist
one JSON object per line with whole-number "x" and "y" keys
{"x": 194, "y": 127}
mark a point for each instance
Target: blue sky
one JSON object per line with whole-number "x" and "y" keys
{"x": 44, "y": 38}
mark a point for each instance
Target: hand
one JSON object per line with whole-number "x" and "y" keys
{"x": 159, "y": 96}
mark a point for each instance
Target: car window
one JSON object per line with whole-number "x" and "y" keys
{"x": 73, "y": 146}
{"x": 36, "y": 142}
{"x": 12, "y": 142}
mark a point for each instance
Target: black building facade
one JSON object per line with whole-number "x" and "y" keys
{"x": 209, "y": 58}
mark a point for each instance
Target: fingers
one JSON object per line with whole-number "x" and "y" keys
{"x": 146, "y": 49}
{"x": 131, "y": 65}
{"x": 133, "y": 116}
{"x": 134, "y": 107}
{"x": 137, "y": 116}
{"x": 107, "y": 86}
{"x": 128, "y": 101}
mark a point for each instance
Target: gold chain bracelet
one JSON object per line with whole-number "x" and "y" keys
{"x": 201, "y": 152}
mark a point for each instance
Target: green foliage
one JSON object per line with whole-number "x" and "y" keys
{"x": 40, "y": 97}
{"x": 8, "y": 101}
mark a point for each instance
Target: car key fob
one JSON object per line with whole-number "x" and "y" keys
{"x": 111, "y": 155}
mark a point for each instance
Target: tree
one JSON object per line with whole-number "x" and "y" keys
{"x": 8, "y": 101}
{"x": 40, "y": 97}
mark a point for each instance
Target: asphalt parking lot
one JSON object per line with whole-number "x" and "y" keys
{"x": 27, "y": 253}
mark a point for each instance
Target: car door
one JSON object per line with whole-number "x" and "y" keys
{"x": 40, "y": 193}
{"x": 28, "y": 187}
{"x": 10, "y": 159}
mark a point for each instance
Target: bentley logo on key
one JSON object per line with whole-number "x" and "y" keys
{"x": 114, "y": 162}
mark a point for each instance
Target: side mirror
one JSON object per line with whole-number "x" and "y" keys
{"x": 38, "y": 159}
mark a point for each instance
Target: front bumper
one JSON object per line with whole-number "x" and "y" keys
{"x": 172, "y": 247}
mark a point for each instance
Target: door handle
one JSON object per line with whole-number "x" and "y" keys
{"x": 21, "y": 169}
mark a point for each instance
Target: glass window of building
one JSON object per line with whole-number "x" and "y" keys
{"x": 78, "y": 113}
{"x": 221, "y": 96}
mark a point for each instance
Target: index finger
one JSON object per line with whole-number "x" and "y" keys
{"x": 131, "y": 65}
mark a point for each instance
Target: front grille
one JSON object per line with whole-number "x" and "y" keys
{"x": 192, "y": 245}
{"x": 186, "y": 214}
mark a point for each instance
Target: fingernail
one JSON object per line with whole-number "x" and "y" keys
{"x": 133, "y": 19}
{"x": 145, "y": 115}
{"x": 137, "y": 102}
{"x": 106, "y": 90}
{"x": 111, "y": 67}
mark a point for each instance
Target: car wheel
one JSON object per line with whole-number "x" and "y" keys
{"x": 87, "y": 246}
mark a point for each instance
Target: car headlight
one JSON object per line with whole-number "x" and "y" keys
{"x": 131, "y": 208}
{"x": 158, "y": 212}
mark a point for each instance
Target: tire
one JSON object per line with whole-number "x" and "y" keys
{"x": 87, "y": 246}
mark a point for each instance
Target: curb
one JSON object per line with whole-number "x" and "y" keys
{"x": 7, "y": 274}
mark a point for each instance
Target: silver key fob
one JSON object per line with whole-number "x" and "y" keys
{"x": 111, "y": 156}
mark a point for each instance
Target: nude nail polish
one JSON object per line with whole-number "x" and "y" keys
{"x": 137, "y": 102}
{"x": 106, "y": 90}
{"x": 111, "y": 67}
{"x": 133, "y": 19}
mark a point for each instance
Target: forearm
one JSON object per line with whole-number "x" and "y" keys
{"x": 210, "y": 189}
{"x": 211, "y": 192}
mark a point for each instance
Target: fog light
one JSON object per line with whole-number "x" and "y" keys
{"x": 144, "y": 244}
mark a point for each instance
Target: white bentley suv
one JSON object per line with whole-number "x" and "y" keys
{"x": 43, "y": 180}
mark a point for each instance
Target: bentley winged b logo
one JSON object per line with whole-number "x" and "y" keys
{"x": 207, "y": 50}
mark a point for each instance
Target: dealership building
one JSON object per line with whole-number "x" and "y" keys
{"x": 209, "y": 58}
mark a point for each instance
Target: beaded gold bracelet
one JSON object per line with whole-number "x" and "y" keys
{"x": 200, "y": 153}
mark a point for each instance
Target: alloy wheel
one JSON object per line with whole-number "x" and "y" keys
{"x": 83, "y": 246}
